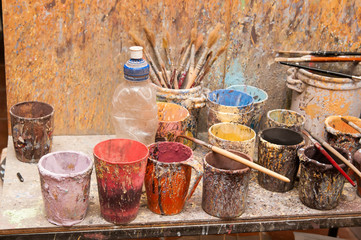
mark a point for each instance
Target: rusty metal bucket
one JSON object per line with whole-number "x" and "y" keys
{"x": 317, "y": 96}
{"x": 320, "y": 184}
{"x": 225, "y": 185}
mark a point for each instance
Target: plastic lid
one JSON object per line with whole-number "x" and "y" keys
{"x": 136, "y": 52}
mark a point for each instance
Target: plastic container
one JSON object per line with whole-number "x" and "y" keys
{"x": 134, "y": 107}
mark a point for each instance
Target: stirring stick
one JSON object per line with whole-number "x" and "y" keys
{"x": 356, "y": 78}
{"x": 329, "y": 158}
{"x": 351, "y": 124}
{"x": 237, "y": 158}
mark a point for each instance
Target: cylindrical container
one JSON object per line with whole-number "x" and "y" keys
{"x": 192, "y": 99}
{"x": 173, "y": 120}
{"x": 260, "y": 98}
{"x": 225, "y": 185}
{"x": 316, "y": 97}
{"x": 233, "y": 136}
{"x": 286, "y": 119}
{"x": 32, "y": 126}
{"x": 168, "y": 177}
{"x": 320, "y": 184}
{"x": 357, "y": 162}
{"x": 226, "y": 105}
{"x": 120, "y": 168}
{"x": 340, "y": 134}
{"x": 134, "y": 107}
{"x": 277, "y": 151}
{"x": 65, "y": 183}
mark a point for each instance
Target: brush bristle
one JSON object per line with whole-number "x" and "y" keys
{"x": 222, "y": 49}
{"x": 199, "y": 42}
{"x": 150, "y": 36}
{"x": 193, "y": 34}
{"x": 213, "y": 36}
{"x": 165, "y": 43}
{"x": 136, "y": 39}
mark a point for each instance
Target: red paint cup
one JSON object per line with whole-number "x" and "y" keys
{"x": 168, "y": 177}
{"x": 120, "y": 168}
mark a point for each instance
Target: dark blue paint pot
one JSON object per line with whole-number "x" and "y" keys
{"x": 230, "y": 101}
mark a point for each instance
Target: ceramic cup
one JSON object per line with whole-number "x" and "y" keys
{"x": 225, "y": 185}
{"x": 32, "y": 126}
{"x": 120, "y": 168}
{"x": 277, "y": 151}
{"x": 168, "y": 177}
{"x": 65, "y": 183}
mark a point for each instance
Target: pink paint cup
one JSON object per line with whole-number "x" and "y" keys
{"x": 120, "y": 168}
{"x": 65, "y": 183}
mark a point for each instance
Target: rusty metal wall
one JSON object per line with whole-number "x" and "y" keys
{"x": 70, "y": 53}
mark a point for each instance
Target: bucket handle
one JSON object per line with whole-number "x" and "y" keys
{"x": 292, "y": 83}
{"x": 199, "y": 173}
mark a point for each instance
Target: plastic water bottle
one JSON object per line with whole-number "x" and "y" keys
{"x": 135, "y": 113}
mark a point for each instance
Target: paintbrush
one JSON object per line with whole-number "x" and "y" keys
{"x": 154, "y": 71}
{"x": 356, "y": 78}
{"x": 166, "y": 49}
{"x": 237, "y": 158}
{"x": 191, "y": 72}
{"x": 329, "y": 158}
{"x": 212, "y": 38}
{"x": 351, "y": 124}
{"x": 204, "y": 70}
{"x": 320, "y": 53}
{"x": 309, "y": 58}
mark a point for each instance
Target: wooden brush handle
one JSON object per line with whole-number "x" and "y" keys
{"x": 249, "y": 163}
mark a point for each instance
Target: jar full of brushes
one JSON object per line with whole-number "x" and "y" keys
{"x": 192, "y": 99}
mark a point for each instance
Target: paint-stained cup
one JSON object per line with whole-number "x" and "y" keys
{"x": 168, "y": 177}
{"x": 260, "y": 97}
{"x": 120, "y": 168}
{"x": 65, "y": 183}
{"x": 340, "y": 134}
{"x": 277, "y": 151}
{"x": 173, "y": 120}
{"x": 32, "y": 125}
{"x": 233, "y": 136}
{"x": 225, "y": 105}
{"x": 225, "y": 185}
{"x": 320, "y": 184}
{"x": 286, "y": 119}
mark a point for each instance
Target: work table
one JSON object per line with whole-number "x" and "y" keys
{"x": 22, "y": 213}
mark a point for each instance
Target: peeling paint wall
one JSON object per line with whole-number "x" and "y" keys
{"x": 70, "y": 53}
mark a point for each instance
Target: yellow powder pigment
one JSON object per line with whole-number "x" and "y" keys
{"x": 231, "y": 132}
{"x": 343, "y": 127}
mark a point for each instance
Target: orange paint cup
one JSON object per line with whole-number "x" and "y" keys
{"x": 168, "y": 176}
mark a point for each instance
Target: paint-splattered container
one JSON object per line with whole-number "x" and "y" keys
{"x": 120, "y": 168}
{"x": 65, "y": 183}
{"x": 277, "y": 151}
{"x": 260, "y": 98}
{"x": 233, "y": 136}
{"x": 192, "y": 99}
{"x": 225, "y": 185}
{"x": 321, "y": 184}
{"x": 168, "y": 177}
{"x": 32, "y": 126}
{"x": 226, "y": 105}
{"x": 340, "y": 134}
{"x": 286, "y": 119}
{"x": 318, "y": 96}
{"x": 174, "y": 120}
{"x": 357, "y": 162}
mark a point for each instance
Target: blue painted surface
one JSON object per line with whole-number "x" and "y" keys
{"x": 258, "y": 94}
{"x": 228, "y": 97}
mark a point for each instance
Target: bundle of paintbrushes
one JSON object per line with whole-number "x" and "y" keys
{"x": 189, "y": 65}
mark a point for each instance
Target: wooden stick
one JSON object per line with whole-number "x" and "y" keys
{"x": 319, "y": 59}
{"x": 319, "y": 53}
{"x": 237, "y": 158}
{"x": 352, "y": 125}
{"x": 356, "y": 78}
{"x": 329, "y": 158}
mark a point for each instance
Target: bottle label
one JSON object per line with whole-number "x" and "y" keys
{"x": 136, "y": 70}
